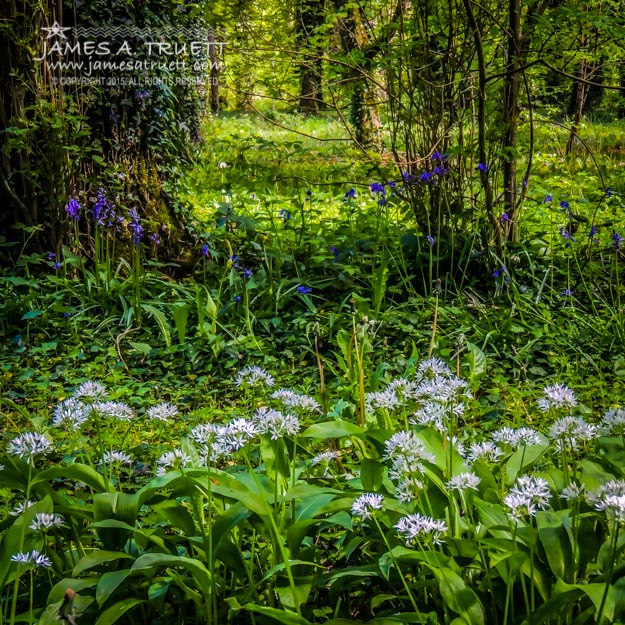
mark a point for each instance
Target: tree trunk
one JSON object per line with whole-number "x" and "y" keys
{"x": 310, "y": 15}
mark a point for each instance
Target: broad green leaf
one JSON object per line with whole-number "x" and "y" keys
{"x": 333, "y": 429}
{"x": 161, "y": 321}
{"x": 98, "y": 558}
{"x": 553, "y": 533}
{"x": 60, "y": 588}
{"x": 31, "y": 314}
{"x": 109, "y": 582}
{"x": 458, "y": 596}
{"x": 522, "y": 459}
{"x": 110, "y": 615}
{"x": 76, "y": 471}
{"x": 281, "y": 616}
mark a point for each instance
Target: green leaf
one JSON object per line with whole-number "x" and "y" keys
{"x": 110, "y": 615}
{"x": 144, "y": 348}
{"x": 32, "y": 314}
{"x": 108, "y": 584}
{"x": 333, "y": 429}
{"x": 98, "y": 558}
{"x": 458, "y": 596}
{"x": 160, "y": 320}
{"x": 281, "y": 616}
{"x": 522, "y": 459}
{"x": 76, "y": 471}
{"x": 554, "y": 537}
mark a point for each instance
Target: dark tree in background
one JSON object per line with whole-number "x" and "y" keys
{"x": 309, "y": 17}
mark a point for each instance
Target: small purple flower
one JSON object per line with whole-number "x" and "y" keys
{"x": 440, "y": 170}
{"x": 51, "y": 255}
{"x": 304, "y": 289}
{"x": 335, "y": 251}
{"x": 567, "y": 293}
{"x": 407, "y": 177}
{"x": 482, "y": 167}
{"x": 437, "y": 156}
{"x": 73, "y": 208}
{"x": 566, "y": 235}
{"x": 237, "y": 299}
{"x": 608, "y": 192}
{"x": 67, "y": 315}
{"x": 113, "y": 116}
{"x": 103, "y": 212}
{"x": 235, "y": 260}
{"x": 155, "y": 239}
{"x": 135, "y": 226}
{"x": 247, "y": 273}
{"x": 377, "y": 187}
{"x": 564, "y": 205}
{"x": 308, "y": 194}
{"x": 502, "y": 272}
{"x": 425, "y": 177}
{"x": 351, "y": 194}
{"x": 617, "y": 240}
{"x": 392, "y": 184}
{"x": 286, "y": 215}
{"x": 504, "y": 218}
{"x": 205, "y": 250}
{"x": 548, "y": 198}
{"x": 430, "y": 239}
{"x": 591, "y": 234}
{"x": 524, "y": 183}
{"x": 56, "y": 266}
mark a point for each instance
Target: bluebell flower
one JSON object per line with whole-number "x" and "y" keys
{"x": 608, "y": 192}
{"x": 67, "y": 315}
{"x": 308, "y": 193}
{"x": 247, "y": 273}
{"x": 56, "y": 266}
{"x": 205, "y": 250}
{"x": 135, "y": 226}
{"x": 564, "y": 205}
{"x": 237, "y": 299}
{"x": 155, "y": 238}
{"x": 103, "y": 212}
{"x": 437, "y": 156}
{"x": 51, "y": 255}
{"x": 617, "y": 240}
{"x": 335, "y": 251}
{"x": 440, "y": 170}
{"x": 73, "y": 209}
{"x": 548, "y": 198}
{"x": 426, "y": 176}
{"x": 351, "y": 194}
{"x": 377, "y": 187}
{"x": 430, "y": 239}
{"x": 524, "y": 183}
{"x": 567, "y": 293}
{"x": 407, "y": 177}
{"x": 504, "y": 217}
{"x": 392, "y": 184}
{"x": 482, "y": 167}
{"x": 304, "y": 289}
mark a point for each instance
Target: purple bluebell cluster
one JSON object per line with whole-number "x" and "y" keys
{"x": 103, "y": 212}
{"x": 204, "y": 250}
{"x": 502, "y": 272}
{"x": 430, "y": 239}
{"x": 135, "y": 226}
{"x": 566, "y": 235}
{"x": 73, "y": 208}
{"x": 617, "y": 240}
{"x": 304, "y": 289}
{"x": 335, "y": 252}
{"x": 351, "y": 194}
{"x": 156, "y": 240}
{"x": 482, "y": 167}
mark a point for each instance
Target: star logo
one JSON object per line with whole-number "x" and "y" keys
{"x": 56, "y": 30}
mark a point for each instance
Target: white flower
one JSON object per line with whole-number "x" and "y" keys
{"x": 568, "y": 432}
{"x": 403, "y": 388}
{"x": 613, "y": 421}
{"x": 407, "y": 455}
{"x": 115, "y": 457}
{"x": 71, "y": 412}
{"x": 434, "y": 367}
{"x": 296, "y": 400}
{"x": 162, "y": 412}
{"x": 486, "y": 452}
{"x": 528, "y": 495}
{"x": 520, "y": 437}
{"x": 222, "y": 165}
{"x": 32, "y": 557}
{"x": 417, "y": 526}
{"x": 276, "y": 424}
{"x": 386, "y": 400}
{"x": 324, "y": 457}
{"x": 573, "y": 492}
{"x": 464, "y": 481}
{"x": 114, "y": 409}
{"x": 91, "y": 390}
{"x": 28, "y": 445}
{"x": 557, "y": 396}
{"x": 253, "y": 376}
{"x": 610, "y": 498}
{"x": 44, "y": 521}
{"x": 24, "y": 505}
{"x": 443, "y": 389}
{"x": 408, "y": 488}
{"x": 432, "y": 414}
{"x": 212, "y": 439}
{"x": 175, "y": 459}
{"x": 364, "y": 505}
{"x": 238, "y": 433}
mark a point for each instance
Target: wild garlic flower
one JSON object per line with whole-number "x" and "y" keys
{"x": 486, "y": 452}
{"x": 175, "y": 459}
{"x": 32, "y": 557}
{"x": 417, "y": 527}
{"x": 528, "y": 495}
{"x": 114, "y": 409}
{"x": 239, "y": 432}
{"x": 24, "y": 505}
{"x": 71, "y": 412}
{"x": 212, "y": 441}
{"x": 443, "y": 389}
{"x": 325, "y": 457}
{"x": 385, "y": 400}
{"x": 408, "y": 488}
{"x": 29, "y": 445}
{"x": 573, "y": 492}
{"x": 610, "y": 498}
{"x": 44, "y": 522}
{"x": 569, "y": 432}
{"x": 296, "y": 400}
{"x": 115, "y": 457}
{"x": 463, "y": 482}
{"x": 557, "y": 396}
{"x": 365, "y": 505}
{"x": 432, "y": 414}
{"x": 91, "y": 390}
{"x": 162, "y": 412}
{"x": 613, "y": 422}
{"x": 275, "y": 423}
{"x": 516, "y": 437}
{"x": 407, "y": 454}
{"x": 404, "y": 389}
{"x": 434, "y": 367}
{"x": 253, "y": 376}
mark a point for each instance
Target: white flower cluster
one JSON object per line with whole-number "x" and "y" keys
{"x": 275, "y": 423}
{"x": 463, "y": 482}
{"x": 115, "y": 457}
{"x": 516, "y": 437}
{"x": 29, "y": 445}
{"x": 296, "y": 400}
{"x": 485, "y": 451}
{"x": 415, "y": 527}
{"x": 568, "y": 433}
{"x": 325, "y": 457}
{"x": 613, "y": 422}
{"x": 528, "y": 495}
{"x": 556, "y": 397}
{"x": 44, "y": 522}
{"x": 252, "y": 377}
{"x": 407, "y": 454}
{"x": 175, "y": 459}
{"x": 610, "y": 498}
{"x": 33, "y": 557}
{"x": 24, "y": 505}
{"x": 162, "y": 412}
{"x": 72, "y": 412}
{"x": 364, "y": 506}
